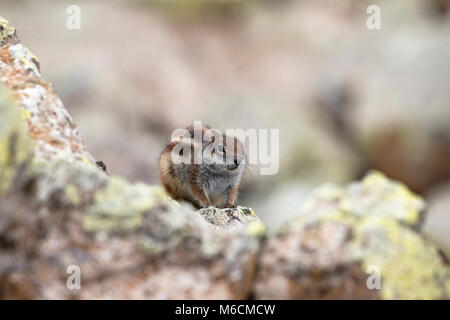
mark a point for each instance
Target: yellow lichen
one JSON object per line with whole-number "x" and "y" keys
{"x": 244, "y": 211}
{"x": 374, "y": 179}
{"x": 33, "y": 57}
{"x": 211, "y": 248}
{"x": 252, "y": 212}
{"x": 378, "y": 211}
{"x": 25, "y": 114}
{"x": 256, "y": 229}
{"x": 29, "y": 64}
{"x": 5, "y": 29}
{"x": 377, "y": 195}
{"x": 15, "y": 146}
{"x": 187, "y": 8}
{"x": 150, "y": 246}
{"x": 72, "y": 194}
{"x": 410, "y": 266}
{"x": 120, "y": 205}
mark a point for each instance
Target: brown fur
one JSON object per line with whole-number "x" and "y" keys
{"x": 192, "y": 183}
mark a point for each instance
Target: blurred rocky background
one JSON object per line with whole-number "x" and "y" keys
{"x": 345, "y": 98}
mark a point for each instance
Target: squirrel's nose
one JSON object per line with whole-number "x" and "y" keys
{"x": 233, "y": 165}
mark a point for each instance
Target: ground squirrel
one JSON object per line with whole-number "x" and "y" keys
{"x": 212, "y": 168}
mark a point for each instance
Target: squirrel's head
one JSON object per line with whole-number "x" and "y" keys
{"x": 220, "y": 153}
{"x": 223, "y": 154}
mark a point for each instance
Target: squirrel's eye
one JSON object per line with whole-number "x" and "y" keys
{"x": 221, "y": 148}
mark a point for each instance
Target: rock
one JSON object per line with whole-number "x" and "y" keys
{"x": 49, "y": 124}
{"x": 437, "y": 218}
{"x": 304, "y": 159}
{"x": 227, "y": 217}
{"x": 58, "y": 209}
{"x": 14, "y": 145}
{"x": 342, "y": 236}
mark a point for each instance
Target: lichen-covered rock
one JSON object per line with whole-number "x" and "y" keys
{"x": 226, "y": 217}
{"x": 58, "y": 209}
{"x": 49, "y": 124}
{"x": 6, "y": 31}
{"x": 129, "y": 237}
{"x": 14, "y": 145}
{"x": 342, "y": 236}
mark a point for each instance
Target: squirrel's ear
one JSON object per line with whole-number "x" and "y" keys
{"x": 179, "y": 135}
{"x": 211, "y": 135}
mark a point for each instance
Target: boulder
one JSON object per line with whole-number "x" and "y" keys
{"x": 357, "y": 242}
{"x": 61, "y": 217}
{"x": 59, "y": 210}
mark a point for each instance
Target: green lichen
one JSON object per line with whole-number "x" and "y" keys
{"x": 380, "y": 212}
{"x": 410, "y": 266}
{"x": 75, "y": 180}
{"x": 25, "y": 114}
{"x": 25, "y": 57}
{"x": 29, "y": 64}
{"x": 189, "y": 8}
{"x": 211, "y": 248}
{"x": 120, "y": 205}
{"x": 150, "y": 246}
{"x": 377, "y": 195}
{"x": 5, "y": 30}
{"x": 15, "y": 147}
{"x": 33, "y": 57}
{"x": 72, "y": 194}
{"x": 256, "y": 229}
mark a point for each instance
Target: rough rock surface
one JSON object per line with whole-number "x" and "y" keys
{"x": 58, "y": 209}
{"x": 130, "y": 241}
{"x": 342, "y": 236}
{"x": 49, "y": 124}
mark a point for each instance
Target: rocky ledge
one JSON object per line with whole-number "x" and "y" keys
{"x": 58, "y": 209}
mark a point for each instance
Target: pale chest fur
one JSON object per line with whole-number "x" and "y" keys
{"x": 217, "y": 186}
